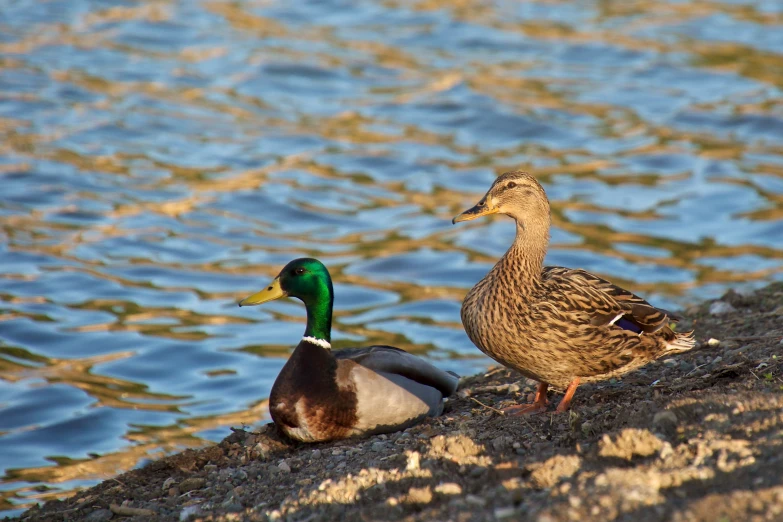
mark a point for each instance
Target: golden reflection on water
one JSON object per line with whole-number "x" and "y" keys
{"x": 169, "y": 198}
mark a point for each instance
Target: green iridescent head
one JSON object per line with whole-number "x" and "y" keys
{"x": 308, "y": 280}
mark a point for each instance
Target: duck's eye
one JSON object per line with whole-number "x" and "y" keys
{"x": 510, "y": 185}
{"x": 299, "y": 271}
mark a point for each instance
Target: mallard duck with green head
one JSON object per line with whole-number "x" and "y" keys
{"x": 558, "y": 326}
{"x": 322, "y": 394}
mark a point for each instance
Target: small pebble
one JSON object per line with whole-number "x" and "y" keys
{"x": 316, "y": 454}
{"x": 414, "y": 459}
{"x": 498, "y": 443}
{"x": 187, "y": 511}
{"x": 192, "y": 483}
{"x": 448, "y": 488}
{"x": 261, "y": 450}
{"x": 233, "y": 506}
{"x": 100, "y": 515}
{"x": 420, "y": 495}
{"x": 721, "y": 308}
{"x": 666, "y": 422}
{"x": 666, "y": 451}
{"x": 378, "y": 446}
{"x": 478, "y": 471}
{"x": 475, "y": 500}
{"x": 284, "y": 467}
{"x": 713, "y": 342}
{"x": 505, "y": 512}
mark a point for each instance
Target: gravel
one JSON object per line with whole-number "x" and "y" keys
{"x": 691, "y": 438}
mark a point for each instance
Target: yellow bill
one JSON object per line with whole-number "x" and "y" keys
{"x": 480, "y": 209}
{"x": 270, "y": 293}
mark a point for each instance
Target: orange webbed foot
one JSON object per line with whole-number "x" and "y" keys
{"x": 525, "y": 409}
{"x": 538, "y": 406}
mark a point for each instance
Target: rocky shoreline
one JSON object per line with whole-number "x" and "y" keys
{"x": 693, "y": 438}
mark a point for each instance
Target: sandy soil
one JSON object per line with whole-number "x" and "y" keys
{"x": 695, "y": 438}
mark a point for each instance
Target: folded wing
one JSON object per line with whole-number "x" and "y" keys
{"x": 608, "y": 304}
{"x": 390, "y": 360}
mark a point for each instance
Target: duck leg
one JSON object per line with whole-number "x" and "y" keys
{"x": 538, "y": 405}
{"x": 569, "y": 394}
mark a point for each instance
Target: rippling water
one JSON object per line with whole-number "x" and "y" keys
{"x": 161, "y": 159}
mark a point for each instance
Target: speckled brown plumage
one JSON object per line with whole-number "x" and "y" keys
{"x": 556, "y": 325}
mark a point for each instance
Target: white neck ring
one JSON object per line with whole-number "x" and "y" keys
{"x": 323, "y": 343}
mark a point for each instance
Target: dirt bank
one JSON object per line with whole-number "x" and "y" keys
{"x": 699, "y": 437}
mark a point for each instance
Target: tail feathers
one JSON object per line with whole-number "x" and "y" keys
{"x": 682, "y": 342}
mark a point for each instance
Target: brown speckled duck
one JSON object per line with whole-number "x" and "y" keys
{"x": 323, "y": 395}
{"x": 559, "y": 326}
